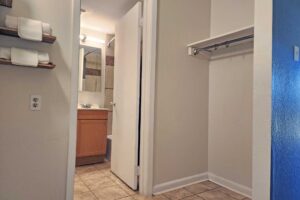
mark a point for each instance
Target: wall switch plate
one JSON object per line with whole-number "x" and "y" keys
{"x": 296, "y": 54}
{"x": 35, "y": 102}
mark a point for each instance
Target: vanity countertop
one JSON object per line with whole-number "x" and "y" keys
{"x": 80, "y": 108}
{"x": 93, "y": 107}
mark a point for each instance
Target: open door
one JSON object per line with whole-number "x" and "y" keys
{"x": 125, "y": 132}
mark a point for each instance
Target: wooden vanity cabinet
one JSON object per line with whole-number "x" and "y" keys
{"x": 91, "y": 136}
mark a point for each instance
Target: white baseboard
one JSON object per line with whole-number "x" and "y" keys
{"x": 179, "y": 183}
{"x": 241, "y": 189}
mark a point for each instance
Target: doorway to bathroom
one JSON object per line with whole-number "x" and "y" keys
{"x": 109, "y": 100}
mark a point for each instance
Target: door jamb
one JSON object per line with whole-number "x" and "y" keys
{"x": 75, "y": 28}
{"x": 148, "y": 98}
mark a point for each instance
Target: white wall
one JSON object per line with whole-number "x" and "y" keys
{"x": 230, "y": 99}
{"x": 181, "y": 111}
{"x": 34, "y": 145}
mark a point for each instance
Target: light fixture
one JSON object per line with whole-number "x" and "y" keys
{"x": 85, "y": 38}
{"x": 82, "y": 37}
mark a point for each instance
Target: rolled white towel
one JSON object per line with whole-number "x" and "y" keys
{"x": 5, "y": 53}
{"x": 47, "y": 29}
{"x": 30, "y": 29}
{"x": 12, "y": 22}
{"x": 43, "y": 58}
{"x": 24, "y": 57}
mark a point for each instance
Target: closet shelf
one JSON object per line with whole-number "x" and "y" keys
{"x": 208, "y": 46}
{"x": 40, "y": 66}
{"x": 6, "y": 3}
{"x": 14, "y": 33}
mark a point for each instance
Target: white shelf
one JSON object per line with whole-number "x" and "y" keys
{"x": 246, "y": 34}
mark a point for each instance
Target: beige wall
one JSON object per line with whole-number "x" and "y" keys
{"x": 230, "y": 98}
{"x": 229, "y": 15}
{"x": 181, "y": 112}
{"x": 34, "y": 145}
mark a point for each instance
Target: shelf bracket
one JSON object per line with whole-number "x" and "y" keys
{"x": 193, "y": 51}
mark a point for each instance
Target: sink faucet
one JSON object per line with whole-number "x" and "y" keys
{"x": 86, "y": 105}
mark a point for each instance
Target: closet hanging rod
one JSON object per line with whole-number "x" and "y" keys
{"x": 226, "y": 43}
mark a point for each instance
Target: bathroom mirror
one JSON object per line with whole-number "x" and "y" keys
{"x": 90, "y": 69}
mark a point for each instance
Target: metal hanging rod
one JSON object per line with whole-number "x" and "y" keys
{"x": 111, "y": 41}
{"x": 210, "y": 48}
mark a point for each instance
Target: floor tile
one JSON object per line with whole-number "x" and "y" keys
{"x": 80, "y": 187}
{"x": 178, "y": 194}
{"x": 198, "y": 188}
{"x": 128, "y": 198}
{"x": 102, "y": 166}
{"x": 159, "y": 197}
{"x": 85, "y": 196}
{"x": 91, "y": 175}
{"x": 156, "y": 197}
{"x": 211, "y": 185}
{"x": 110, "y": 193}
{"x": 85, "y": 169}
{"x": 99, "y": 182}
{"x": 107, "y": 171}
{"x": 193, "y": 198}
{"x": 232, "y": 194}
{"x": 113, "y": 177}
{"x": 128, "y": 190}
{"x": 215, "y": 195}
{"x": 76, "y": 178}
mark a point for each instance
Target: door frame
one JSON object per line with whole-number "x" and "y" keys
{"x": 262, "y": 100}
{"x": 147, "y": 100}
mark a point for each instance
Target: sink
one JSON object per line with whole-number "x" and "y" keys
{"x": 90, "y": 107}
{"x": 86, "y": 106}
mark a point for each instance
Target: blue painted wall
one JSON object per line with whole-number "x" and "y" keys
{"x": 286, "y": 102}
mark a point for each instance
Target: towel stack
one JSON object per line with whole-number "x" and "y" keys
{"x": 24, "y": 57}
{"x": 28, "y": 28}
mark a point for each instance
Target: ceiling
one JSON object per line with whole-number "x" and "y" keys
{"x": 102, "y": 15}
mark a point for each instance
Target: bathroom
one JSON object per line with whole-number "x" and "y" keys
{"x": 99, "y": 114}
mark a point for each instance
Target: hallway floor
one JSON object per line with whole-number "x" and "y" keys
{"x": 96, "y": 182}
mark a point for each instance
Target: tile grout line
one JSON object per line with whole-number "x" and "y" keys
{"x": 90, "y": 190}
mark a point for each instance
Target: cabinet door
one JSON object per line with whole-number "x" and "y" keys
{"x": 91, "y": 137}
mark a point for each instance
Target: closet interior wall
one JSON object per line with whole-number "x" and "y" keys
{"x": 203, "y": 113}
{"x": 230, "y": 99}
{"x": 181, "y": 104}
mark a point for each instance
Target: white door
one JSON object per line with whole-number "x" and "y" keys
{"x": 125, "y": 131}
{"x": 81, "y": 66}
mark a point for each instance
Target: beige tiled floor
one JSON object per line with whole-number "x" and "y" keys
{"x": 96, "y": 182}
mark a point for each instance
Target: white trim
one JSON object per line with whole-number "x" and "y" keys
{"x": 75, "y": 23}
{"x": 180, "y": 183}
{"x": 262, "y": 100}
{"x": 186, "y": 181}
{"x": 148, "y": 96}
{"x": 233, "y": 186}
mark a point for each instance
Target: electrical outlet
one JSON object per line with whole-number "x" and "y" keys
{"x": 35, "y": 102}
